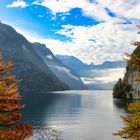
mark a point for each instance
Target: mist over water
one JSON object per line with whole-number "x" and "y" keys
{"x": 81, "y": 115}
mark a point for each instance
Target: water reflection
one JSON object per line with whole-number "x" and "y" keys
{"x": 41, "y": 108}
{"x": 82, "y": 115}
{"x": 121, "y": 104}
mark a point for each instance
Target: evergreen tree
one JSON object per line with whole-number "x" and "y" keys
{"x": 10, "y": 115}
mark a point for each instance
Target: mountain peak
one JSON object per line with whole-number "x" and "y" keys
{"x": 28, "y": 64}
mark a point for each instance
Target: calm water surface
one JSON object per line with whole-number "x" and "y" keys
{"x": 81, "y": 115}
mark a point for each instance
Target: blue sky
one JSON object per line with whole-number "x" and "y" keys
{"x": 41, "y": 19}
{"x": 92, "y": 30}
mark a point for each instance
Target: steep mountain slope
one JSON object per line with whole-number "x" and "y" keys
{"x": 72, "y": 62}
{"x": 129, "y": 87}
{"x": 61, "y": 71}
{"x": 34, "y": 74}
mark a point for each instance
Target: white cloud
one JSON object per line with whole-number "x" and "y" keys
{"x": 106, "y": 76}
{"x": 122, "y": 8}
{"x": 67, "y": 71}
{"x": 99, "y": 43}
{"x": 63, "y": 6}
{"x": 107, "y": 41}
{"x": 18, "y": 3}
{"x": 102, "y": 79}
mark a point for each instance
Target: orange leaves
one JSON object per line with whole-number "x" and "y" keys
{"x": 9, "y": 106}
{"x": 7, "y": 119}
{"x": 20, "y": 132}
{"x": 132, "y": 123}
{"x": 9, "y": 90}
{"x": 134, "y": 107}
{"x": 10, "y": 115}
{"x": 134, "y": 60}
{"x": 131, "y": 130}
{"x": 137, "y": 78}
{"x": 5, "y": 69}
{"x": 25, "y": 129}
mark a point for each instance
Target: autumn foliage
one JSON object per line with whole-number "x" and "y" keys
{"x": 10, "y": 115}
{"x": 132, "y": 121}
{"x": 134, "y": 58}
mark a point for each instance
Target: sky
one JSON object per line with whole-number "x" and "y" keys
{"x": 92, "y": 30}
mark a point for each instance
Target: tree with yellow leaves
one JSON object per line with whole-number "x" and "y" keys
{"x": 10, "y": 115}
{"x": 132, "y": 121}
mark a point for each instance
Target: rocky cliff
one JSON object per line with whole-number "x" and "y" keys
{"x": 129, "y": 86}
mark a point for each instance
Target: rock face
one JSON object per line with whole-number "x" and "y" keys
{"x": 60, "y": 70}
{"x": 34, "y": 74}
{"x": 135, "y": 84}
{"x": 128, "y": 87}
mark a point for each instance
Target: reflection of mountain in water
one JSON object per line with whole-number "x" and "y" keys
{"x": 41, "y": 108}
{"x": 81, "y": 115}
{"x": 121, "y": 104}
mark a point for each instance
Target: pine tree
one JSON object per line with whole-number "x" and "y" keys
{"x": 11, "y": 127}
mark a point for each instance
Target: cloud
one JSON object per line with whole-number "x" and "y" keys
{"x": 122, "y": 8}
{"x": 62, "y": 6}
{"x": 108, "y": 41}
{"x": 98, "y": 43}
{"x": 97, "y": 9}
{"x": 102, "y": 79}
{"x": 18, "y": 3}
{"x": 104, "y": 76}
{"x": 66, "y": 71}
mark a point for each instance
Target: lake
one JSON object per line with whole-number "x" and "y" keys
{"x": 80, "y": 115}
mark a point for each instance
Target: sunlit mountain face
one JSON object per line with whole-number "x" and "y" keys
{"x": 93, "y": 31}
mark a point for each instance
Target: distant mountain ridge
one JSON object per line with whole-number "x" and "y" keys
{"x": 61, "y": 71}
{"x": 77, "y": 65}
{"x": 109, "y": 65}
{"x": 95, "y": 76}
{"x": 34, "y": 74}
{"x": 40, "y": 71}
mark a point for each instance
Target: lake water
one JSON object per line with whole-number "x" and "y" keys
{"x": 81, "y": 115}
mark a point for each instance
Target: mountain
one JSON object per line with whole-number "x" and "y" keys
{"x": 34, "y": 74}
{"x": 77, "y": 65}
{"x": 109, "y": 65}
{"x": 103, "y": 76}
{"x": 60, "y": 70}
{"x": 72, "y": 62}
